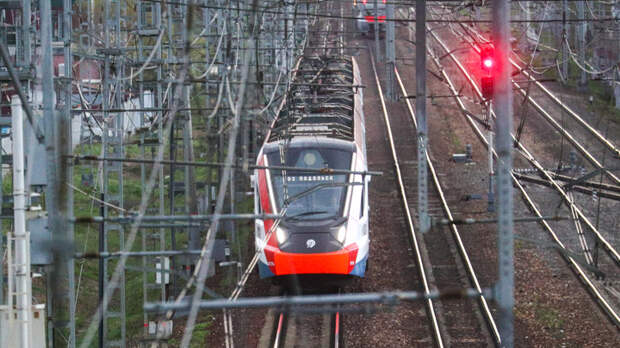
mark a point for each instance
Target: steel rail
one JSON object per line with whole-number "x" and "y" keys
{"x": 570, "y": 111}
{"x": 455, "y": 232}
{"x": 553, "y": 122}
{"x": 278, "y": 339}
{"x": 581, "y": 274}
{"x": 576, "y": 188}
{"x": 234, "y": 296}
{"x": 401, "y": 185}
{"x": 606, "y": 245}
{"x": 336, "y": 328}
{"x": 572, "y": 181}
{"x": 606, "y": 142}
{"x": 566, "y": 134}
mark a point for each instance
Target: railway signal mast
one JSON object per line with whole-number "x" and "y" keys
{"x": 488, "y": 66}
{"x": 502, "y": 95}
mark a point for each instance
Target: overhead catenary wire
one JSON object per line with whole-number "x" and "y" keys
{"x": 579, "y": 271}
{"x": 209, "y": 239}
{"x": 557, "y": 20}
{"x": 171, "y": 66}
{"x": 150, "y": 185}
{"x": 530, "y": 158}
{"x": 148, "y": 59}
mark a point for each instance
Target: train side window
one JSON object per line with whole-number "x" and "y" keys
{"x": 257, "y": 198}
{"x": 362, "y": 200}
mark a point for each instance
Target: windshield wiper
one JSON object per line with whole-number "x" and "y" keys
{"x": 307, "y": 213}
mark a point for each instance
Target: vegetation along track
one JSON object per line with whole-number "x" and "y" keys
{"x": 454, "y": 323}
{"x": 582, "y": 270}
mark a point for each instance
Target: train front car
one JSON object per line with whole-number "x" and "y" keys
{"x": 319, "y": 132}
{"x": 367, "y": 17}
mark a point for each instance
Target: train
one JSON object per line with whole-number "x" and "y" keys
{"x": 367, "y": 17}
{"x": 311, "y": 171}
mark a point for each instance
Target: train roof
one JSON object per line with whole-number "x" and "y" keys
{"x": 311, "y": 142}
{"x": 320, "y": 102}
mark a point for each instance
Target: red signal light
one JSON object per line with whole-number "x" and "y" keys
{"x": 487, "y": 63}
{"x": 381, "y": 19}
{"x": 370, "y": 19}
{"x": 487, "y": 56}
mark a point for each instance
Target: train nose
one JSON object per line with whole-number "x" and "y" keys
{"x": 311, "y": 243}
{"x": 341, "y": 261}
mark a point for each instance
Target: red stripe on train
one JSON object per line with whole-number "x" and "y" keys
{"x": 265, "y": 203}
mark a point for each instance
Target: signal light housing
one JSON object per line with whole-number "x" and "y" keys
{"x": 488, "y": 66}
{"x": 486, "y": 84}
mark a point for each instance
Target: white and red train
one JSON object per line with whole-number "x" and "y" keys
{"x": 319, "y": 127}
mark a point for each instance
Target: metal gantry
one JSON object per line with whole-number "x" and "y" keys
{"x": 113, "y": 292}
{"x": 150, "y": 32}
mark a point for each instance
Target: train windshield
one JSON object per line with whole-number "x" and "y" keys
{"x": 310, "y": 195}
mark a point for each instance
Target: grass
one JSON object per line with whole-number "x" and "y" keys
{"x": 548, "y": 317}
{"x": 199, "y": 337}
{"x": 87, "y": 240}
{"x": 603, "y": 94}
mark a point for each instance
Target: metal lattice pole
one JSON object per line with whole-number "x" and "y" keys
{"x": 503, "y": 109}
{"x": 66, "y": 171}
{"x": 115, "y": 314}
{"x": 420, "y": 110}
{"x": 390, "y": 52}
{"x": 153, "y": 282}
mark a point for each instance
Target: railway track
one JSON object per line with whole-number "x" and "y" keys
{"x": 594, "y": 287}
{"x": 593, "y": 132}
{"x": 453, "y": 323}
{"x": 291, "y": 329}
{"x": 547, "y": 115}
{"x": 558, "y": 187}
{"x": 550, "y": 177}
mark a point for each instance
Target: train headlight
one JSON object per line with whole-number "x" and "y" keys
{"x": 281, "y": 235}
{"x": 342, "y": 233}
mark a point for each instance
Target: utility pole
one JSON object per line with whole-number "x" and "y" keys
{"x": 564, "y": 43}
{"x": 21, "y": 263}
{"x": 376, "y": 24}
{"x": 581, "y": 46}
{"x": 390, "y": 51}
{"x": 491, "y": 195}
{"x": 66, "y": 235}
{"x": 504, "y": 289}
{"x": 62, "y": 291}
{"x": 420, "y": 110}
